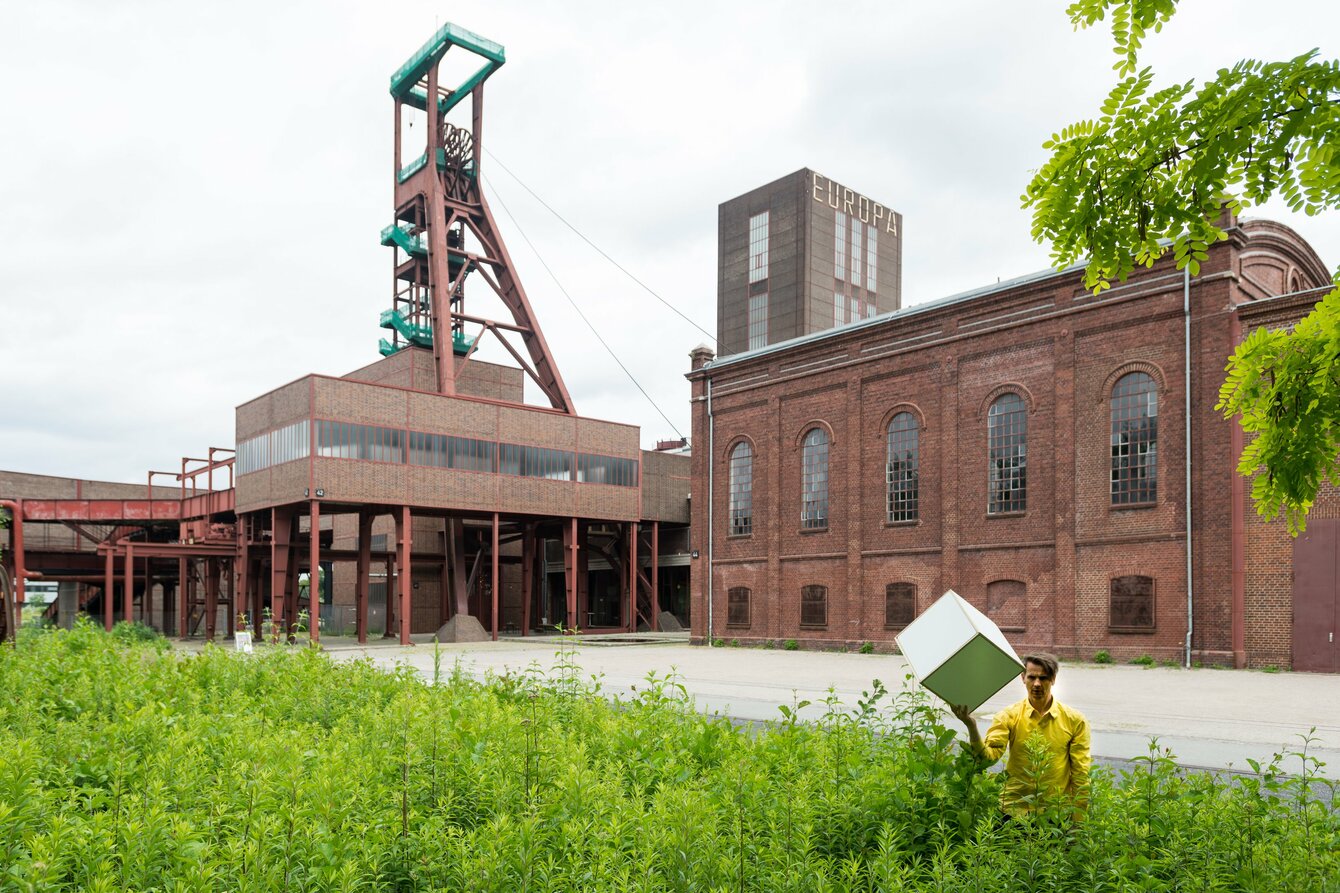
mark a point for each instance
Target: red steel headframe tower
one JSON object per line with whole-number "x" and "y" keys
{"x": 443, "y": 229}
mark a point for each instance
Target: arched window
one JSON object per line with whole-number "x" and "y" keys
{"x": 737, "y": 607}
{"x": 813, "y": 607}
{"x": 902, "y": 467}
{"x": 1135, "y": 436}
{"x": 814, "y": 480}
{"x": 1007, "y": 437}
{"x": 1131, "y": 604}
{"x": 741, "y": 490}
{"x": 900, "y": 605}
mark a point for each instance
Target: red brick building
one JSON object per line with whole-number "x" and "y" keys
{"x": 1025, "y": 444}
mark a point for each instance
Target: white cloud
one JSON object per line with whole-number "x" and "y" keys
{"x": 190, "y": 195}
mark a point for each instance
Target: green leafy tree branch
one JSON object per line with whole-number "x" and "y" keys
{"x": 1152, "y": 173}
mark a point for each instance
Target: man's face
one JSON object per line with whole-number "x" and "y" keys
{"x": 1039, "y": 685}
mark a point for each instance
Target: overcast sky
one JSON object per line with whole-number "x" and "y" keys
{"x": 190, "y": 193}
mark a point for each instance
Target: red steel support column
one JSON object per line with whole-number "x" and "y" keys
{"x": 364, "y": 568}
{"x": 493, "y": 553}
{"x": 655, "y": 576}
{"x": 147, "y": 600}
{"x": 391, "y": 590}
{"x": 193, "y": 596}
{"x": 128, "y": 593}
{"x": 632, "y": 576}
{"x": 527, "y": 575}
{"x": 15, "y": 507}
{"x": 314, "y": 575}
{"x": 211, "y": 597}
{"x": 455, "y": 544}
{"x": 444, "y": 602}
{"x": 183, "y": 568}
{"x": 291, "y": 601}
{"x": 229, "y": 616}
{"x": 109, "y": 589}
{"x": 246, "y": 598}
{"x": 281, "y": 531}
{"x": 570, "y": 572}
{"x": 404, "y": 531}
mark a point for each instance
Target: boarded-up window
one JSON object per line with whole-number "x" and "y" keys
{"x": 814, "y": 607}
{"x": 1131, "y": 604}
{"x": 900, "y": 605}
{"x": 737, "y": 607}
{"x": 1006, "y": 604}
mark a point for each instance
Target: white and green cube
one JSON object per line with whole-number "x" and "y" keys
{"x": 958, "y": 653}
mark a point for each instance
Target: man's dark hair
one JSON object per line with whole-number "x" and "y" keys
{"x": 1048, "y": 662}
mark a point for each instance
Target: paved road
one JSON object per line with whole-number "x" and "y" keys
{"x": 1209, "y": 718}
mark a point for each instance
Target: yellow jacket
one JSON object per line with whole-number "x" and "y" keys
{"x": 1066, "y": 771}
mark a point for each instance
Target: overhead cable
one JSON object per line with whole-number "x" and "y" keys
{"x": 603, "y": 344}
{"x": 598, "y": 249}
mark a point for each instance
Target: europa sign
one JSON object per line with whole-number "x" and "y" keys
{"x": 853, "y": 204}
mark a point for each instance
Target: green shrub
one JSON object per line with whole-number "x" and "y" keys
{"x": 734, "y": 643}
{"x": 134, "y": 631}
{"x": 1270, "y": 668}
{"x": 791, "y": 645}
{"x": 130, "y": 767}
{"x": 867, "y": 648}
{"x": 1102, "y": 657}
{"x": 1144, "y": 660}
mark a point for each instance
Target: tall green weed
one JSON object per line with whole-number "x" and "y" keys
{"x": 130, "y": 767}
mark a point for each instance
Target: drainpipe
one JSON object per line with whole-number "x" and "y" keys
{"x": 1186, "y": 388}
{"x": 711, "y": 463}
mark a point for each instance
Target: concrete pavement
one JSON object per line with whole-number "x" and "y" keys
{"x": 1209, "y": 718}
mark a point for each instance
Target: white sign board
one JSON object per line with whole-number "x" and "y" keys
{"x": 958, "y": 653}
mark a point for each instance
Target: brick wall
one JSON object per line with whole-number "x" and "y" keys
{"x": 1062, "y": 350}
{"x": 665, "y": 486}
{"x": 366, "y": 403}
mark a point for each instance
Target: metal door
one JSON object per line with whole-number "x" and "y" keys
{"x": 1316, "y": 597}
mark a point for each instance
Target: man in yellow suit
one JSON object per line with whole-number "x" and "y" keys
{"x": 1063, "y": 732}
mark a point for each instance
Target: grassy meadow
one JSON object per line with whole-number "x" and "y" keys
{"x": 127, "y": 766}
